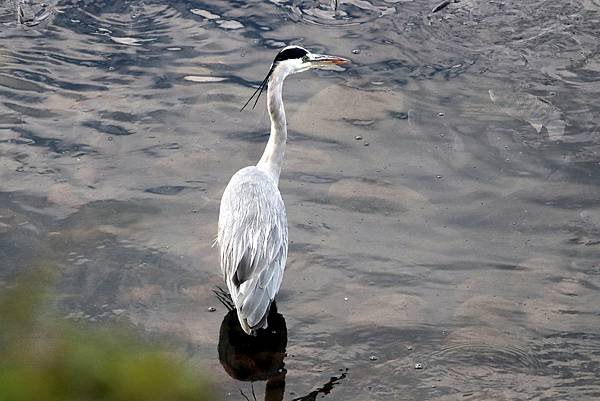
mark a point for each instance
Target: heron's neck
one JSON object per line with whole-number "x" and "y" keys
{"x": 272, "y": 157}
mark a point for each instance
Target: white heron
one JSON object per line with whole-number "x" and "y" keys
{"x": 253, "y": 234}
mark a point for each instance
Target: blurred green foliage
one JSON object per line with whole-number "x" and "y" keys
{"x": 43, "y": 358}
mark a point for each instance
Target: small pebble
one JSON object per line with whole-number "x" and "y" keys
{"x": 373, "y": 358}
{"x": 356, "y": 51}
{"x": 358, "y": 137}
{"x": 212, "y": 309}
{"x": 418, "y": 366}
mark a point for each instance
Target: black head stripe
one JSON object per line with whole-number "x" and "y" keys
{"x": 291, "y": 53}
{"x": 287, "y": 54}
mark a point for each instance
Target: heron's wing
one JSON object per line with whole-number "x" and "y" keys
{"x": 253, "y": 244}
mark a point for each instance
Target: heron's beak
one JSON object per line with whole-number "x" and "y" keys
{"x": 325, "y": 60}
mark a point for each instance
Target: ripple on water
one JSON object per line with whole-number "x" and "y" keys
{"x": 574, "y": 359}
{"x": 469, "y": 366}
{"x": 335, "y": 13}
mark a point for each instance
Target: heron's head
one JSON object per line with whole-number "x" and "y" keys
{"x": 293, "y": 59}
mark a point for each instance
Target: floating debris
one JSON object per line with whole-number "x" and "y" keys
{"x": 204, "y": 13}
{"x": 418, "y": 365}
{"x": 129, "y": 41}
{"x": 358, "y": 137}
{"x": 211, "y": 309}
{"x": 443, "y": 5}
{"x": 373, "y": 358}
{"x": 441, "y": 114}
{"x": 197, "y": 78}
{"x": 355, "y": 51}
{"x": 366, "y": 144}
{"x": 230, "y": 24}
{"x": 439, "y": 177}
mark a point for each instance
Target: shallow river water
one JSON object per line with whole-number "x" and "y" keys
{"x": 443, "y": 190}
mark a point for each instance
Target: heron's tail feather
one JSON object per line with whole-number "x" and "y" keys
{"x": 252, "y": 301}
{"x": 256, "y": 305}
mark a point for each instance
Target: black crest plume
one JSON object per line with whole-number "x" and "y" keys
{"x": 285, "y": 54}
{"x": 260, "y": 89}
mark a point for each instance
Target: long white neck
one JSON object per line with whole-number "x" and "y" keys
{"x": 272, "y": 157}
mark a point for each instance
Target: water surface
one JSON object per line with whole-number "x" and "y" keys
{"x": 449, "y": 253}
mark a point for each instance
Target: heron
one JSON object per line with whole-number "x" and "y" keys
{"x": 252, "y": 229}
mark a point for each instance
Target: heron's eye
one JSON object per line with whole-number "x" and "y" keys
{"x": 305, "y": 59}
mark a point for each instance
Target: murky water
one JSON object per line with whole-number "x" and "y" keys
{"x": 450, "y": 253}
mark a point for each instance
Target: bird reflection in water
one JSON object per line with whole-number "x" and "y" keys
{"x": 255, "y": 358}
{"x": 260, "y": 357}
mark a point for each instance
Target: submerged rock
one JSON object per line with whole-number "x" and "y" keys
{"x": 537, "y": 111}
